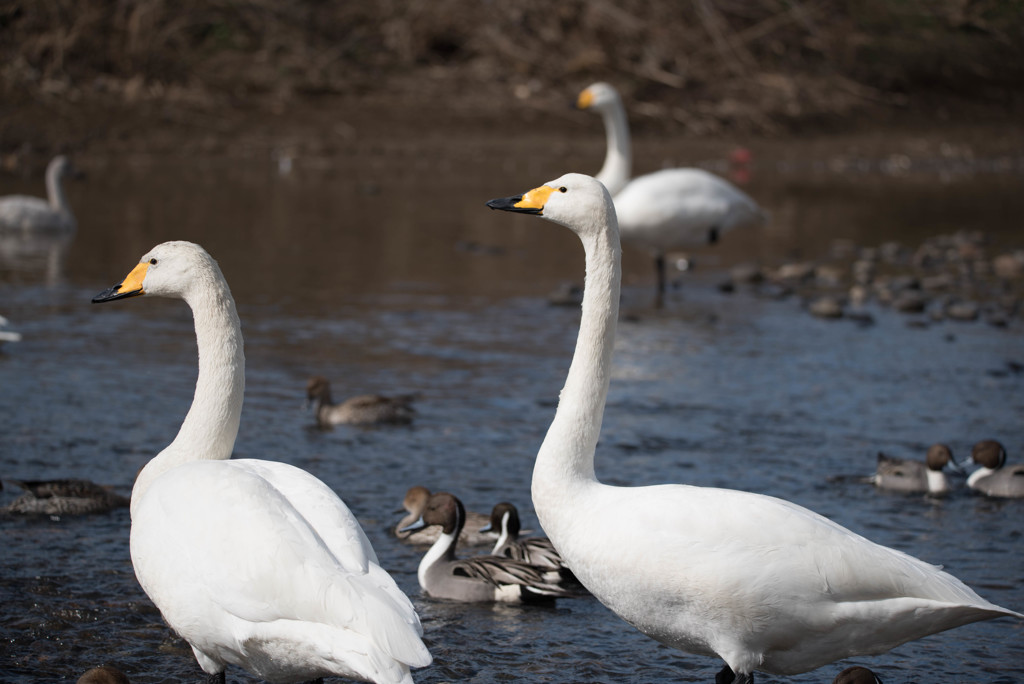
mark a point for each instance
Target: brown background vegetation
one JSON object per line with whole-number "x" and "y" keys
{"x": 161, "y": 73}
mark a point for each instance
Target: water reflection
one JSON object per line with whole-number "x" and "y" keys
{"x": 33, "y": 257}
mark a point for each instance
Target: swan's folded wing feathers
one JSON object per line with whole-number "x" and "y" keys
{"x": 322, "y": 508}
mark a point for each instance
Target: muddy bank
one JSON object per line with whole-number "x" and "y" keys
{"x": 247, "y": 76}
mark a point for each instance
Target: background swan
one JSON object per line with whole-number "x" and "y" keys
{"x": 760, "y": 582}
{"x": 7, "y": 335}
{"x": 668, "y": 209}
{"x": 254, "y": 563}
{"x": 31, "y": 213}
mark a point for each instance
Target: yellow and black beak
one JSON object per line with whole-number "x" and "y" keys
{"x": 531, "y": 203}
{"x": 131, "y": 286}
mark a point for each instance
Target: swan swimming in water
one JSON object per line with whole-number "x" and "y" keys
{"x": 255, "y": 563}
{"x": 668, "y": 209}
{"x": 760, "y": 582}
{"x": 32, "y": 213}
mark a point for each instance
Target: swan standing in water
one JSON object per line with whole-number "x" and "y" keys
{"x": 31, "y": 213}
{"x": 760, "y": 582}
{"x": 668, "y": 209}
{"x": 255, "y": 563}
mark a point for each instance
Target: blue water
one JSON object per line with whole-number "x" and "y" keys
{"x": 391, "y": 292}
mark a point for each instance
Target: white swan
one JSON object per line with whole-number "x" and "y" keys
{"x": 254, "y": 563}
{"x": 668, "y": 209}
{"x": 31, "y": 213}
{"x": 762, "y": 583}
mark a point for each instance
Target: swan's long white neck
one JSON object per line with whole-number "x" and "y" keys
{"x": 211, "y": 426}
{"x": 618, "y": 160}
{"x": 565, "y": 462}
{"x": 55, "y": 189}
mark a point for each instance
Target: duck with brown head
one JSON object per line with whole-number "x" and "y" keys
{"x": 994, "y": 477}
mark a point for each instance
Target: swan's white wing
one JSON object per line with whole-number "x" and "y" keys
{"x": 677, "y": 208}
{"x": 221, "y": 550}
{"x": 322, "y": 509}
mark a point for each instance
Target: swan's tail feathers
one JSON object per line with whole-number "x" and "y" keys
{"x": 385, "y": 616}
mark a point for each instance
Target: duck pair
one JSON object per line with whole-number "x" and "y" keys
{"x": 992, "y": 478}
{"x": 512, "y": 573}
{"x": 760, "y": 582}
{"x": 433, "y": 518}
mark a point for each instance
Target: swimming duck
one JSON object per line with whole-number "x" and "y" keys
{"x": 994, "y": 477}
{"x": 480, "y": 578}
{"x": 365, "y": 409}
{"x": 64, "y": 497}
{"x": 760, "y": 582}
{"x": 538, "y": 551}
{"x": 857, "y": 675}
{"x": 415, "y": 502}
{"x": 669, "y": 209}
{"x": 255, "y": 563}
{"x": 104, "y": 674}
{"x": 907, "y": 475}
{"x": 32, "y": 213}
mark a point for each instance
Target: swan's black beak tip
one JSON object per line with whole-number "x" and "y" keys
{"x": 112, "y": 293}
{"x": 512, "y": 204}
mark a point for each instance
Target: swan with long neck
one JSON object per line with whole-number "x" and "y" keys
{"x": 671, "y": 209}
{"x": 254, "y": 563}
{"x": 762, "y": 583}
{"x": 32, "y": 213}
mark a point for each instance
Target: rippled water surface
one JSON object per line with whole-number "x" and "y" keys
{"x": 389, "y": 276}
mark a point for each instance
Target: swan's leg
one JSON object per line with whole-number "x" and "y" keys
{"x": 727, "y": 676}
{"x": 216, "y": 678}
{"x": 659, "y": 268}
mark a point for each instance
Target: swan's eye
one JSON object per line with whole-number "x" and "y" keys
{"x": 153, "y": 261}
{"x": 563, "y": 189}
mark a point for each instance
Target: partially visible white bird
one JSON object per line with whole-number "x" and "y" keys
{"x": 32, "y": 213}
{"x": 760, "y": 582}
{"x": 255, "y": 563}
{"x": 669, "y": 209}
{"x": 7, "y": 335}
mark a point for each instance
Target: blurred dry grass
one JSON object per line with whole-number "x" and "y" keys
{"x": 703, "y": 66}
